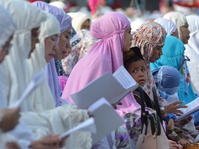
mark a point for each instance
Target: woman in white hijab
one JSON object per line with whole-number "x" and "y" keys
{"x": 80, "y": 21}
{"x": 192, "y": 50}
{"x": 42, "y": 98}
{"x": 28, "y": 19}
{"x": 180, "y": 21}
{"x": 168, "y": 25}
{"x": 9, "y": 117}
{"x": 60, "y": 119}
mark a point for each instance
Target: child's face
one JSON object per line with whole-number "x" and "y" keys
{"x": 138, "y": 71}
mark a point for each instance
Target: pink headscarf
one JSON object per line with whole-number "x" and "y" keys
{"x": 93, "y": 4}
{"x": 105, "y": 55}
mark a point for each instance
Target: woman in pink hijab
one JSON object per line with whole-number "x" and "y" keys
{"x": 113, "y": 34}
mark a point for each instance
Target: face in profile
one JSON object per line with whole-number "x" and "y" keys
{"x": 157, "y": 52}
{"x": 86, "y": 25}
{"x": 34, "y": 40}
{"x": 5, "y": 49}
{"x": 127, "y": 40}
{"x": 138, "y": 71}
{"x": 51, "y": 47}
{"x": 185, "y": 33}
{"x": 64, "y": 44}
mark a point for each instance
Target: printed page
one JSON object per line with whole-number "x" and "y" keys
{"x": 124, "y": 78}
{"x": 97, "y": 104}
{"x": 106, "y": 86}
{"x": 87, "y": 125}
{"x": 192, "y": 107}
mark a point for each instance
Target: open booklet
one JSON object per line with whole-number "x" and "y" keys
{"x": 36, "y": 81}
{"x": 113, "y": 87}
{"x": 104, "y": 119}
{"x": 191, "y": 108}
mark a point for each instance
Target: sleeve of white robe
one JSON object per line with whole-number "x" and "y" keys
{"x": 57, "y": 121}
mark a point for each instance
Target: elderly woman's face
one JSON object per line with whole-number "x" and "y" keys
{"x": 157, "y": 52}
{"x": 64, "y": 44}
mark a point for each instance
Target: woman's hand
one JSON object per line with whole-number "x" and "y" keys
{"x": 171, "y": 123}
{"x": 10, "y": 119}
{"x": 183, "y": 142}
{"x": 48, "y": 142}
{"x": 174, "y": 108}
{"x": 185, "y": 121}
{"x": 12, "y": 145}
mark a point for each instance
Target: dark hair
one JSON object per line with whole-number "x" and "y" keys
{"x": 133, "y": 55}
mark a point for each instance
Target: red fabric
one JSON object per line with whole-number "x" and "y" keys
{"x": 35, "y": 0}
{"x": 187, "y": 3}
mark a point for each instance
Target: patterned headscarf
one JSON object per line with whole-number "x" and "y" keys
{"x": 147, "y": 37}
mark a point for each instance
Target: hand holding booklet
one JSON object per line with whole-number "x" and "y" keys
{"x": 191, "y": 108}
{"x": 36, "y": 81}
{"x": 103, "y": 121}
{"x": 87, "y": 125}
{"x": 113, "y": 87}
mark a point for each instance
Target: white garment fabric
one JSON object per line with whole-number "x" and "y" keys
{"x": 136, "y": 23}
{"x": 26, "y": 17}
{"x": 62, "y": 119}
{"x": 192, "y": 51}
{"x": 168, "y": 25}
{"x": 178, "y": 19}
{"x": 42, "y": 98}
{"x": 59, "y": 4}
{"x": 7, "y": 26}
{"x": 78, "y": 19}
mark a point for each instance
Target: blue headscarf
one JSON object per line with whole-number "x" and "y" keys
{"x": 173, "y": 55}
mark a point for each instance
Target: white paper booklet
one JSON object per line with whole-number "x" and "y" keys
{"x": 87, "y": 125}
{"x": 192, "y": 107}
{"x": 36, "y": 81}
{"x": 113, "y": 87}
{"x": 106, "y": 119}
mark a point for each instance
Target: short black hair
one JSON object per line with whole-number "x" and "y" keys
{"x": 133, "y": 55}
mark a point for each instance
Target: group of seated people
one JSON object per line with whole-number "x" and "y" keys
{"x": 71, "y": 50}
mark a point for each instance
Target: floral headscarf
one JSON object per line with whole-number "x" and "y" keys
{"x": 147, "y": 37}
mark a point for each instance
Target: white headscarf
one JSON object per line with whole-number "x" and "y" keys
{"x": 192, "y": 50}
{"x": 7, "y": 28}
{"x": 59, "y": 4}
{"x": 42, "y": 97}
{"x": 178, "y": 19}
{"x": 168, "y": 25}
{"x": 26, "y": 17}
{"x": 78, "y": 19}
